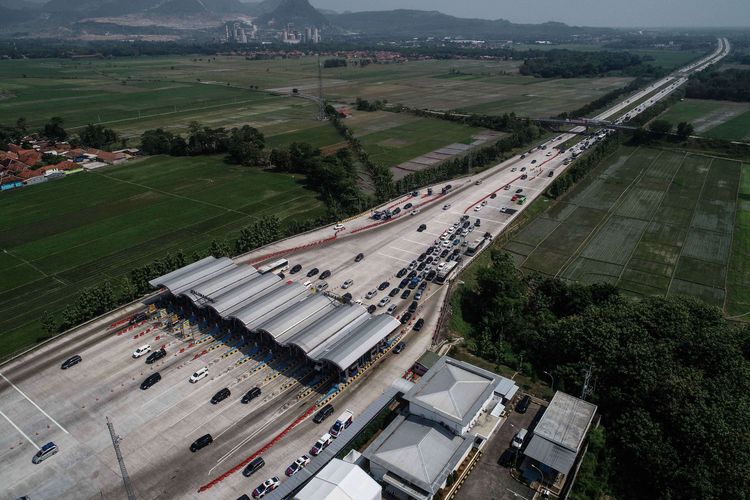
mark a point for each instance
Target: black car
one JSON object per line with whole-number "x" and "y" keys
{"x": 422, "y": 257}
{"x": 150, "y": 380}
{"x": 421, "y": 228}
{"x": 201, "y": 442}
{"x": 250, "y": 395}
{"x": 523, "y": 405}
{"x": 312, "y": 272}
{"x": 493, "y": 196}
{"x": 444, "y": 253}
{"x": 551, "y": 173}
{"x": 413, "y": 306}
{"x": 423, "y": 285}
{"x": 467, "y": 224}
{"x": 406, "y": 294}
{"x": 464, "y": 217}
{"x": 156, "y": 356}
{"x": 294, "y": 270}
{"x": 254, "y": 467}
{"x": 394, "y": 292}
{"x": 396, "y": 211}
{"x": 428, "y": 260}
{"x": 421, "y": 266}
{"x": 519, "y": 191}
{"x": 431, "y": 275}
{"x": 508, "y": 458}
{"x": 359, "y": 257}
{"x": 372, "y": 308}
{"x": 411, "y": 274}
{"x": 72, "y": 361}
{"x": 221, "y": 396}
{"x": 401, "y": 272}
{"x": 324, "y": 275}
{"x": 399, "y": 347}
{"x": 478, "y": 223}
{"x": 408, "y": 206}
{"x": 418, "y": 325}
{"x": 141, "y": 316}
{"x": 404, "y": 282}
{"x": 323, "y": 414}
{"x": 405, "y": 318}
{"x": 347, "y": 297}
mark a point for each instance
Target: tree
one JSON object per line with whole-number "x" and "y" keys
{"x": 49, "y": 323}
{"x": 684, "y": 130}
{"x": 660, "y": 128}
{"x": 97, "y": 136}
{"x": 54, "y": 130}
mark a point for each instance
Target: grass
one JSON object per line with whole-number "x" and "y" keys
{"x": 652, "y": 222}
{"x": 717, "y": 119}
{"x": 59, "y": 237}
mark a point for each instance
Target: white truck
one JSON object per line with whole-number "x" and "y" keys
{"x": 341, "y": 423}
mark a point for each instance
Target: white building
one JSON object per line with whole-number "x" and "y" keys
{"x": 340, "y": 480}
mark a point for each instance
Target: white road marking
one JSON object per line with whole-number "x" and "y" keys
{"x": 392, "y": 257}
{"x": 404, "y": 250}
{"x": 35, "y": 405}
{"x": 20, "y": 431}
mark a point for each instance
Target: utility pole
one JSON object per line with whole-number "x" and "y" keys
{"x": 116, "y": 443}
{"x": 321, "y": 102}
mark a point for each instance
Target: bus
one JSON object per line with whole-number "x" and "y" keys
{"x": 278, "y": 266}
{"x": 446, "y": 272}
{"x": 475, "y": 246}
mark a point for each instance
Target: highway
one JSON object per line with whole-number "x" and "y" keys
{"x": 39, "y": 402}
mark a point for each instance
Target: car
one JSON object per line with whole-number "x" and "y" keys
{"x": 394, "y": 292}
{"x": 412, "y": 265}
{"x": 346, "y": 284}
{"x": 201, "y": 373}
{"x": 384, "y": 301}
{"x": 404, "y": 282}
{"x": 44, "y": 453}
{"x": 478, "y": 208}
{"x": 429, "y": 260}
{"x": 551, "y": 173}
{"x": 401, "y": 272}
{"x": 421, "y": 228}
{"x": 156, "y": 356}
{"x": 519, "y": 191}
{"x": 471, "y": 228}
{"x": 532, "y": 161}
{"x": 297, "y": 465}
{"x": 523, "y": 405}
{"x": 399, "y": 347}
{"x": 71, "y": 361}
{"x": 509, "y": 457}
{"x": 250, "y": 395}
{"x": 371, "y": 309}
{"x": 408, "y": 206}
{"x": 444, "y": 253}
{"x": 524, "y": 177}
{"x": 324, "y": 275}
{"x": 347, "y": 297}
{"x": 430, "y": 275}
{"x": 141, "y": 351}
{"x": 446, "y": 244}
{"x": 418, "y": 295}
{"x": 321, "y": 444}
{"x": 549, "y": 153}
{"x": 421, "y": 266}
{"x": 415, "y": 193}
{"x": 465, "y": 232}
{"x": 266, "y": 487}
{"x": 523, "y": 169}
{"x": 518, "y": 439}
{"x": 514, "y": 168}
{"x": 307, "y": 284}
{"x": 406, "y": 294}
{"x": 221, "y": 396}
{"x": 371, "y": 294}
{"x": 405, "y": 318}
{"x": 201, "y": 442}
{"x": 484, "y": 203}
{"x": 397, "y": 211}
{"x": 323, "y": 413}
{"x": 312, "y": 272}
{"x": 418, "y": 325}
{"x": 477, "y": 223}
{"x": 413, "y": 306}
{"x": 338, "y": 227}
{"x": 447, "y": 206}
{"x": 391, "y": 309}
{"x": 322, "y": 286}
{"x": 359, "y": 257}
{"x": 493, "y": 196}
{"x": 383, "y": 286}
{"x": 456, "y": 242}
{"x": 415, "y": 211}
{"x": 253, "y": 466}
{"x": 150, "y": 380}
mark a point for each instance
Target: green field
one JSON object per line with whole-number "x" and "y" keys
{"x": 61, "y": 236}
{"x": 652, "y": 222}
{"x": 718, "y": 119}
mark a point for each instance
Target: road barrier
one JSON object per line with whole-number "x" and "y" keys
{"x": 263, "y": 449}
{"x": 278, "y": 253}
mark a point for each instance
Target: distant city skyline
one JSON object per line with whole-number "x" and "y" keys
{"x": 615, "y": 13}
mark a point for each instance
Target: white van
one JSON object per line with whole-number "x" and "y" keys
{"x": 518, "y": 439}
{"x": 201, "y": 373}
{"x": 141, "y": 351}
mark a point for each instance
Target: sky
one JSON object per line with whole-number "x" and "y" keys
{"x": 615, "y": 13}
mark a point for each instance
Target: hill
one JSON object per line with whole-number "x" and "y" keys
{"x": 298, "y": 12}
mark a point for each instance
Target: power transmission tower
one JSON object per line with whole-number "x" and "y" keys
{"x": 116, "y": 443}
{"x": 321, "y": 102}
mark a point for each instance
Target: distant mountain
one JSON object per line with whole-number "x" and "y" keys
{"x": 18, "y": 4}
{"x": 410, "y": 23}
{"x": 14, "y": 15}
{"x": 113, "y": 8}
{"x": 261, "y": 8}
{"x": 298, "y": 12}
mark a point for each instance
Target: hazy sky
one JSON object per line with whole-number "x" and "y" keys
{"x": 645, "y": 13}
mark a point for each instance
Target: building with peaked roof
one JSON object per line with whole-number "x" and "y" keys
{"x": 560, "y": 434}
{"x": 340, "y": 480}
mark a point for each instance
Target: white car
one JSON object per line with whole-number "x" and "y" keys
{"x": 307, "y": 284}
{"x": 347, "y": 284}
{"x": 371, "y": 294}
{"x": 201, "y": 373}
{"x": 338, "y": 227}
{"x": 513, "y": 169}
{"x": 549, "y": 153}
{"x": 321, "y": 444}
{"x": 478, "y": 208}
{"x": 446, "y": 243}
{"x": 446, "y": 206}
{"x": 415, "y": 211}
{"x": 144, "y": 349}
{"x": 297, "y": 465}
{"x": 266, "y": 487}
{"x": 391, "y": 308}
{"x": 384, "y": 301}
{"x": 484, "y": 203}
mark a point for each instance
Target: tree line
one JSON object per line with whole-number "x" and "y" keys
{"x": 727, "y": 85}
{"x": 575, "y": 64}
{"x": 671, "y": 376}
{"x": 95, "y": 136}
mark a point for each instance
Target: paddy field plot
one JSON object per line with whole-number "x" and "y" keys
{"x": 718, "y": 119}
{"x": 58, "y": 237}
{"x": 653, "y": 222}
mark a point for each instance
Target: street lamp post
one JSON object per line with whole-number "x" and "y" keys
{"x": 552, "y": 378}
{"x": 539, "y": 471}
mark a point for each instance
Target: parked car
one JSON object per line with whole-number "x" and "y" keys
{"x": 221, "y": 396}
{"x": 338, "y": 227}
{"x": 201, "y": 442}
{"x": 199, "y": 374}
{"x": 45, "y": 452}
{"x": 253, "y": 466}
{"x": 391, "y": 309}
{"x": 297, "y": 465}
{"x": 518, "y": 439}
{"x": 447, "y": 206}
{"x": 312, "y": 272}
{"x": 250, "y": 395}
{"x": 266, "y": 487}
{"x": 323, "y": 413}
{"x": 156, "y": 356}
{"x": 322, "y": 286}
{"x": 401, "y": 272}
{"x": 399, "y": 347}
{"x": 347, "y": 284}
{"x": 71, "y": 361}
{"x": 359, "y": 257}
{"x": 371, "y": 294}
{"x": 413, "y": 306}
{"x": 405, "y": 318}
{"x": 383, "y": 285}
{"x": 406, "y": 294}
{"x": 408, "y": 206}
{"x": 372, "y": 308}
{"x": 347, "y": 297}
{"x": 418, "y": 295}
{"x": 141, "y": 351}
{"x": 150, "y": 380}
{"x": 384, "y": 301}
{"x": 324, "y": 275}
{"x": 418, "y": 325}
{"x": 295, "y": 269}
{"x": 421, "y": 228}
{"x": 321, "y": 444}
{"x": 523, "y": 405}
{"x": 394, "y": 292}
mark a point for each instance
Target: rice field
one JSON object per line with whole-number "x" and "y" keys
{"x": 652, "y": 222}
{"x": 717, "y": 119}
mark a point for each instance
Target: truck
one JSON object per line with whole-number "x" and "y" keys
{"x": 342, "y": 422}
{"x": 446, "y": 272}
{"x": 475, "y": 246}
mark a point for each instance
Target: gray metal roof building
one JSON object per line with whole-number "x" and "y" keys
{"x": 359, "y": 342}
{"x": 235, "y": 297}
{"x": 179, "y": 281}
{"x": 299, "y": 316}
{"x": 206, "y": 291}
{"x": 561, "y": 431}
{"x": 415, "y": 455}
{"x": 276, "y": 301}
{"x": 329, "y": 325}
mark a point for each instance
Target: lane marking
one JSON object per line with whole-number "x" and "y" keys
{"x": 405, "y": 250}
{"x": 35, "y": 405}
{"x": 20, "y": 431}
{"x": 394, "y": 258}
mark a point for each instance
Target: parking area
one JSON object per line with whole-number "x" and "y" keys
{"x": 490, "y": 480}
